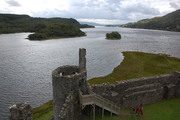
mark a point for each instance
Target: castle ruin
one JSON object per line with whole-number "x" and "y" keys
{"x": 66, "y": 81}
{"x": 71, "y": 93}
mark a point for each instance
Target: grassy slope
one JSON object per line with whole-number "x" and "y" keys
{"x": 139, "y": 64}
{"x": 43, "y": 112}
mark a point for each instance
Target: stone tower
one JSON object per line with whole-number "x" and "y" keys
{"x": 68, "y": 80}
{"x": 82, "y": 68}
{"x": 82, "y": 59}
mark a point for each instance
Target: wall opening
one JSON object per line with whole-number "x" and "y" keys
{"x": 80, "y": 84}
{"x": 165, "y": 92}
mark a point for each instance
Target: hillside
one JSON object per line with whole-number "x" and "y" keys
{"x": 44, "y": 28}
{"x": 11, "y": 23}
{"x": 170, "y": 22}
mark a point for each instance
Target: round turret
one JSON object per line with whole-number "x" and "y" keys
{"x": 65, "y": 80}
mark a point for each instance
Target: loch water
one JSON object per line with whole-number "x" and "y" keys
{"x": 26, "y": 66}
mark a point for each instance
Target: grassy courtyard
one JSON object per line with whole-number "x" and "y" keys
{"x": 164, "y": 110}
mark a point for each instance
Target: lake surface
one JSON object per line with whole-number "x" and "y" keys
{"x": 26, "y": 66}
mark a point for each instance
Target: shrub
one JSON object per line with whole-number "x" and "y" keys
{"x": 37, "y": 36}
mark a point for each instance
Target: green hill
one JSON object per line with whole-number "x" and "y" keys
{"x": 44, "y": 28}
{"x": 169, "y": 22}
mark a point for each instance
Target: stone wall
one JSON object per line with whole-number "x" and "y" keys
{"x": 66, "y": 81}
{"x": 71, "y": 109}
{"x": 20, "y": 111}
{"x": 145, "y": 90}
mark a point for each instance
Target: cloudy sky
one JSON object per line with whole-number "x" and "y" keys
{"x": 99, "y": 11}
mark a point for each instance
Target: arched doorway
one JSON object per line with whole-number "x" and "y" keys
{"x": 165, "y": 92}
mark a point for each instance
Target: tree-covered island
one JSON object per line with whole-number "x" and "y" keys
{"x": 42, "y": 28}
{"x": 113, "y": 36}
{"x": 55, "y": 30}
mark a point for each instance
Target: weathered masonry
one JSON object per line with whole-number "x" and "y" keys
{"x": 67, "y": 80}
{"x": 141, "y": 91}
{"x": 20, "y": 111}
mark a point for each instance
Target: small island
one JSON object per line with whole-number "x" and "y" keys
{"x": 113, "y": 36}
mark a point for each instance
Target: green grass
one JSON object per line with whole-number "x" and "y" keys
{"x": 138, "y": 65}
{"x": 164, "y": 110}
{"x": 44, "y": 112}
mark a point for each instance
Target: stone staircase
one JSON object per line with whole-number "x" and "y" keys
{"x": 94, "y": 99}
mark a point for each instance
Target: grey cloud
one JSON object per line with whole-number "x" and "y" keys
{"x": 83, "y": 13}
{"x": 141, "y": 8}
{"x": 108, "y": 9}
{"x": 78, "y": 4}
{"x": 138, "y": 11}
{"x": 5, "y": 10}
{"x": 13, "y": 3}
{"x": 174, "y": 5}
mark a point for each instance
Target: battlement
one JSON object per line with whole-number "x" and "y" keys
{"x": 66, "y": 70}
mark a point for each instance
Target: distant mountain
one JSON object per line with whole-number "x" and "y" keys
{"x": 170, "y": 22}
{"x": 96, "y": 24}
{"x": 91, "y": 23}
{"x": 86, "y": 26}
{"x": 113, "y": 25}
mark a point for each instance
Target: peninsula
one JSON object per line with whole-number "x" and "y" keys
{"x": 42, "y": 28}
